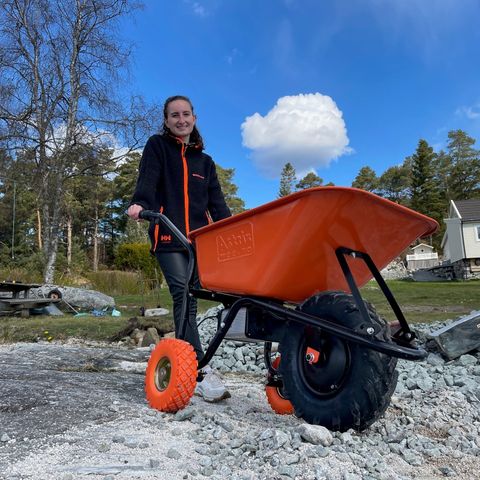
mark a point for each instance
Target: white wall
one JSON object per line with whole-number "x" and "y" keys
{"x": 454, "y": 249}
{"x": 472, "y": 244}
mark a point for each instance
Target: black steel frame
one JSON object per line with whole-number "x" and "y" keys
{"x": 401, "y": 346}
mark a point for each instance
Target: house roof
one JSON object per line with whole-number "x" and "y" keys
{"x": 468, "y": 209}
{"x": 422, "y": 245}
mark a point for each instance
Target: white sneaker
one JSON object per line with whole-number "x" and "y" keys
{"x": 211, "y": 388}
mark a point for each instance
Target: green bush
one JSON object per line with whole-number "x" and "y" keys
{"x": 22, "y": 268}
{"x": 137, "y": 257}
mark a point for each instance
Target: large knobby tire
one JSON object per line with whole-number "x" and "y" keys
{"x": 275, "y": 396}
{"x": 171, "y": 375}
{"x": 330, "y": 381}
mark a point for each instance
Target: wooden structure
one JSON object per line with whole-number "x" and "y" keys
{"x": 422, "y": 256}
{"x": 15, "y": 298}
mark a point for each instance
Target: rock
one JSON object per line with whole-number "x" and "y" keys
{"x": 150, "y": 338}
{"x": 156, "y": 312}
{"x": 459, "y": 337}
{"x": 136, "y": 327}
{"x": 184, "y": 414}
{"x": 103, "y": 447}
{"x": 78, "y": 298}
{"x": 467, "y": 360}
{"x": 174, "y": 454}
{"x": 315, "y": 434}
{"x": 395, "y": 270}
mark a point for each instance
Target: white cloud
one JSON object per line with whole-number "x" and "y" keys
{"x": 472, "y": 113}
{"x": 197, "y": 8}
{"x": 306, "y": 130}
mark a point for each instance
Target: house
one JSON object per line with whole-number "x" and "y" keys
{"x": 461, "y": 242}
{"x": 422, "y": 256}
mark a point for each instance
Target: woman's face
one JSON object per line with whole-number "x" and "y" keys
{"x": 180, "y": 119}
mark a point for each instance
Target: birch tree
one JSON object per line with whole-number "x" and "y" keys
{"x": 60, "y": 61}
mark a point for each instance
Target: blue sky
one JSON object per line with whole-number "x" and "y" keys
{"x": 329, "y": 85}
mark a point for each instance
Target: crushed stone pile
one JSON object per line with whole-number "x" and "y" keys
{"x": 77, "y": 411}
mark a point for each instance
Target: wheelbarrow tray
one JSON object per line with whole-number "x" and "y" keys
{"x": 285, "y": 249}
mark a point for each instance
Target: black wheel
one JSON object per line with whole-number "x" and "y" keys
{"x": 330, "y": 381}
{"x": 54, "y": 294}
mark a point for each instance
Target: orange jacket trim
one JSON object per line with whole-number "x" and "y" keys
{"x": 156, "y": 233}
{"x": 185, "y": 190}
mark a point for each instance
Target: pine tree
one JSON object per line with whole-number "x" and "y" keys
{"x": 464, "y": 178}
{"x": 424, "y": 190}
{"x": 366, "y": 179}
{"x": 287, "y": 179}
{"x": 442, "y": 166}
{"x": 394, "y": 184}
{"x": 310, "y": 180}
{"x": 225, "y": 177}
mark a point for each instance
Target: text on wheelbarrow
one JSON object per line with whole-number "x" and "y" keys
{"x": 235, "y": 242}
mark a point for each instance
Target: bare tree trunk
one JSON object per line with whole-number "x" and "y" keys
{"x": 69, "y": 243}
{"x": 48, "y": 276}
{"x": 52, "y": 212}
{"x": 95, "y": 240}
{"x": 39, "y": 230}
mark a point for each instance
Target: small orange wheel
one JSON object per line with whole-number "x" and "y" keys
{"x": 171, "y": 375}
{"x": 277, "y": 401}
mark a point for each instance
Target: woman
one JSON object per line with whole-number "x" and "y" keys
{"x": 177, "y": 179}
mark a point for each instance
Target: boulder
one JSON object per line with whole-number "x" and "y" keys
{"x": 78, "y": 298}
{"x": 150, "y": 338}
{"x": 459, "y": 337}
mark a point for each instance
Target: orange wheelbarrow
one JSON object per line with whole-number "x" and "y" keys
{"x": 289, "y": 272}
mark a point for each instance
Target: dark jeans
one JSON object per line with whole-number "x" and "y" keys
{"x": 174, "y": 268}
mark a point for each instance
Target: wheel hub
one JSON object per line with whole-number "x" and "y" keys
{"x": 326, "y": 372}
{"x": 163, "y": 373}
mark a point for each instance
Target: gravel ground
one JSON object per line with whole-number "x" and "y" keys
{"x": 77, "y": 411}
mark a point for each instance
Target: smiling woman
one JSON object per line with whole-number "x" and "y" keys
{"x": 178, "y": 179}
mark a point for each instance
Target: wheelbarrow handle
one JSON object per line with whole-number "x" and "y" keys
{"x": 158, "y": 218}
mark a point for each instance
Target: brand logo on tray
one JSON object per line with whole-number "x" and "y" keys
{"x": 236, "y": 242}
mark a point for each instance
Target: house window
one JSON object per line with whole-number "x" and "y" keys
{"x": 477, "y": 230}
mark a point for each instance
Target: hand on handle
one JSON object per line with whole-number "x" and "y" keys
{"x": 134, "y": 211}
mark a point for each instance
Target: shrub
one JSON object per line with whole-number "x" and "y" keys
{"x": 23, "y": 268}
{"x": 137, "y": 257}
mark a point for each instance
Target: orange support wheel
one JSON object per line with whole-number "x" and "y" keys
{"x": 277, "y": 401}
{"x": 171, "y": 375}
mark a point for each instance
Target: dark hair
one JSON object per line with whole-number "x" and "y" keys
{"x": 195, "y": 136}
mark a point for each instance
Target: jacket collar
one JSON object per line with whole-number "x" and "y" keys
{"x": 179, "y": 141}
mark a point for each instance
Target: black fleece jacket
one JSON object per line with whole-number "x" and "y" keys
{"x": 180, "y": 181}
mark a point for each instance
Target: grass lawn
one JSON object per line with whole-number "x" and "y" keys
{"x": 420, "y": 302}
{"x": 426, "y": 301}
